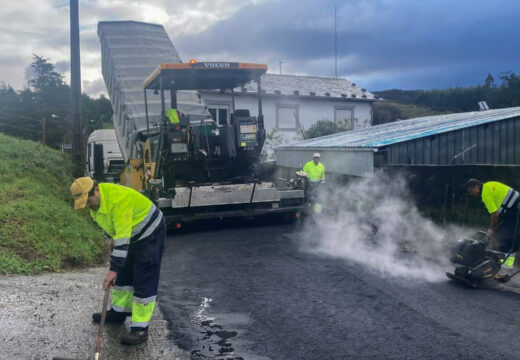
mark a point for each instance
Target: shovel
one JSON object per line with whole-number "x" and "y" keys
{"x": 100, "y": 331}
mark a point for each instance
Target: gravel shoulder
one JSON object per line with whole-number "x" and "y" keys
{"x": 50, "y": 315}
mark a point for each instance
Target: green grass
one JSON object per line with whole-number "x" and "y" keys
{"x": 39, "y": 230}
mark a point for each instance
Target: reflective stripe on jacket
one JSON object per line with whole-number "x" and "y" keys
{"x": 511, "y": 198}
{"x": 127, "y": 216}
{"x": 314, "y": 172}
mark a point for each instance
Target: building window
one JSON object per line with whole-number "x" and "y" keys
{"x": 286, "y": 117}
{"x": 344, "y": 117}
{"x": 219, "y": 113}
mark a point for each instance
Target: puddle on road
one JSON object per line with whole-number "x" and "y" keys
{"x": 214, "y": 342}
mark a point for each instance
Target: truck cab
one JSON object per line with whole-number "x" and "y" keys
{"x": 104, "y": 159}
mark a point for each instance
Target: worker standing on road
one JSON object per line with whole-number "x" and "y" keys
{"x": 138, "y": 229}
{"x": 502, "y": 203}
{"x": 315, "y": 170}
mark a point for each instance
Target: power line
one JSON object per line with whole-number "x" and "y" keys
{"x": 335, "y": 46}
{"x": 10, "y": 120}
{"x": 14, "y": 115}
{"x": 19, "y": 128}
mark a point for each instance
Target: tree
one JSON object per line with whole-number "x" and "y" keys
{"x": 96, "y": 113}
{"x": 385, "y": 113}
{"x": 489, "y": 82}
{"x": 44, "y": 77}
{"x": 46, "y": 96}
{"x": 322, "y": 128}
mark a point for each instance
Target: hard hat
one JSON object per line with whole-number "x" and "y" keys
{"x": 316, "y": 155}
{"x": 79, "y": 190}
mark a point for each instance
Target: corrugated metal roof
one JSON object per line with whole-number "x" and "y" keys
{"x": 404, "y": 130}
{"x": 295, "y": 85}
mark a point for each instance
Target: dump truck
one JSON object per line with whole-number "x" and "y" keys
{"x": 104, "y": 161}
{"x": 174, "y": 151}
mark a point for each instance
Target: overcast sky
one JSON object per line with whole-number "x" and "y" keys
{"x": 381, "y": 44}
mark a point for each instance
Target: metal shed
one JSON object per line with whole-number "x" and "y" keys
{"x": 474, "y": 138}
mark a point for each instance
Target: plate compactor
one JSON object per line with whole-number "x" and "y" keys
{"x": 475, "y": 263}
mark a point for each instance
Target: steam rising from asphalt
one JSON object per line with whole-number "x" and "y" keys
{"x": 375, "y": 222}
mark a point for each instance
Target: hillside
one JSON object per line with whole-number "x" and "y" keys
{"x": 385, "y": 112}
{"x": 39, "y": 230}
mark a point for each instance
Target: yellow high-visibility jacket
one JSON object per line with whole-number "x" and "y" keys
{"x": 127, "y": 216}
{"x": 314, "y": 172}
{"x": 173, "y": 116}
{"x": 497, "y": 196}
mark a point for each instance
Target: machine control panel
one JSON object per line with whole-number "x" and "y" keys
{"x": 248, "y": 134}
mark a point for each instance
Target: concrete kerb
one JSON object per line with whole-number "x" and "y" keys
{"x": 50, "y": 315}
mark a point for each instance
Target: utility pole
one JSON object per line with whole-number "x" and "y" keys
{"x": 75, "y": 85}
{"x": 280, "y": 67}
{"x": 43, "y": 131}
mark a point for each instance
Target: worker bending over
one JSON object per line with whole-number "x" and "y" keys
{"x": 502, "y": 203}
{"x": 138, "y": 230}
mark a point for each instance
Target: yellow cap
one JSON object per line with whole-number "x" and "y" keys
{"x": 79, "y": 190}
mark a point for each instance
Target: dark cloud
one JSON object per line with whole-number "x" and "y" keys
{"x": 381, "y": 44}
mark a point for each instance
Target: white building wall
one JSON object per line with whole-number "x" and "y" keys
{"x": 308, "y": 110}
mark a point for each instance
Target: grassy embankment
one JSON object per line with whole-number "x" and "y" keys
{"x": 39, "y": 230}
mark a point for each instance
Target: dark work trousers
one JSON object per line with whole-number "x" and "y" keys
{"x": 506, "y": 231}
{"x": 141, "y": 270}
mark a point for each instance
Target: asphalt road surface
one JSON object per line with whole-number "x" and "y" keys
{"x": 252, "y": 293}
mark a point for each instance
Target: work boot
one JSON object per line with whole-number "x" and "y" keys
{"x": 135, "y": 337}
{"x": 112, "y": 317}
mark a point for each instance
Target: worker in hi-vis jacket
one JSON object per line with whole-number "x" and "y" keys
{"x": 138, "y": 230}
{"x": 502, "y": 203}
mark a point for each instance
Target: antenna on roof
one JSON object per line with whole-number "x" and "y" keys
{"x": 335, "y": 46}
{"x": 482, "y": 105}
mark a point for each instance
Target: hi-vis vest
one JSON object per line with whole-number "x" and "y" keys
{"x": 127, "y": 216}
{"x": 314, "y": 172}
{"x": 498, "y": 197}
{"x": 173, "y": 116}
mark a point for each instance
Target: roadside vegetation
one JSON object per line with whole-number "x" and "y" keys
{"x": 39, "y": 230}
{"x": 505, "y": 93}
{"x": 407, "y": 104}
{"x": 42, "y": 109}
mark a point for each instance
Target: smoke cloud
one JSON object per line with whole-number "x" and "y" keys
{"x": 375, "y": 222}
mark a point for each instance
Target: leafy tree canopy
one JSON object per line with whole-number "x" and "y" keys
{"x": 322, "y": 128}
{"x": 47, "y": 97}
{"x": 459, "y": 99}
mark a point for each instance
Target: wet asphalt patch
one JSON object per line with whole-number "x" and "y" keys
{"x": 255, "y": 293}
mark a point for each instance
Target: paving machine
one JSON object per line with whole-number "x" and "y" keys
{"x": 194, "y": 168}
{"x": 173, "y": 149}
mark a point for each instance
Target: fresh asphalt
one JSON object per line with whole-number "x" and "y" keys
{"x": 250, "y": 292}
